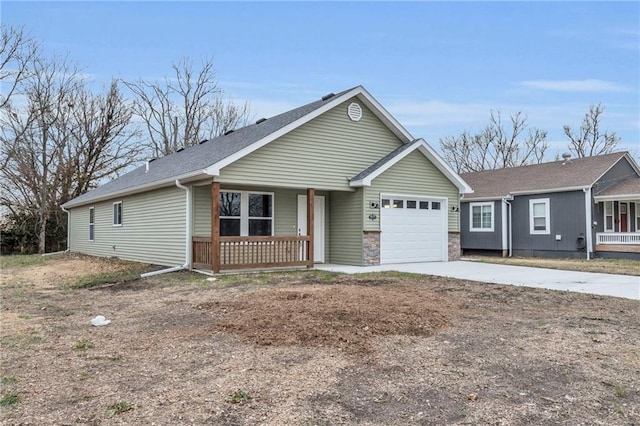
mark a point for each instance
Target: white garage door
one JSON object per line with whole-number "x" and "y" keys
{"x": 412, "y": 230}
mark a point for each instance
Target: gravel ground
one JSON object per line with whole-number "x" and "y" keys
{"x": 310, "y": 348}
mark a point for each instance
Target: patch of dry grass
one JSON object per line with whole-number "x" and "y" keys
{"x": 605, "y": 266}
{"x": 310, "y": 348}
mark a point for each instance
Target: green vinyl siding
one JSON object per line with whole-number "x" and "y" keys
{"x": 202, "y": 210}
{"x": 413, "y": 175}
{"x": 323, "y": 153}
{"x": 346, "y": 228}
{"x": 152, "y": 231}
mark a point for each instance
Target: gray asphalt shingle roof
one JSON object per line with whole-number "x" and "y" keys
{"x": 201, "y": 156}
{"x": 629, "y": 186}
{"x": 539, "y": 177}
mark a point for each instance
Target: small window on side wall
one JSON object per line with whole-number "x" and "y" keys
{"x": 117, "y": 213}
{"x": 481, "y": 217}
{"x": 92, "y": 226}
{"x": 539, "y": 220}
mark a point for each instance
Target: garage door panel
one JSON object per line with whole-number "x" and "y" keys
{"x": 412, "y": 235}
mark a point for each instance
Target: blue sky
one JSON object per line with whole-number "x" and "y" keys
{"x": 438, "y": 67}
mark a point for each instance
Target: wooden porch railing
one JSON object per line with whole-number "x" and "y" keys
{"x": 253, "y": 252}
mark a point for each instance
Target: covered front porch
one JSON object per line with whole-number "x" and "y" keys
{"x": 618, "y": 224}
{"x": 242, "y": 233}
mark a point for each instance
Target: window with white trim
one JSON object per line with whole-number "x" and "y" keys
{"x": 481, "y": 217}
{"x": 608, "y": 216}
{"x": 117, "y": 213}
{"x": 539, "y": 216}
{"x": 244, "y": 213}
{"x": 92, "y": 225}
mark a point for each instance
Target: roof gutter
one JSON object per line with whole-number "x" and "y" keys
{"x": 135, "y": 189}
{"x": 529, "y": 192}
{"x": 187, "y": 249}
{"x": 465, "y": 199}
{"x": 548, "y": 191}
{"x": 621, "y": 197}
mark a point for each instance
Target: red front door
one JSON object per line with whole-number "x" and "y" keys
{"x": 623, "y": 217}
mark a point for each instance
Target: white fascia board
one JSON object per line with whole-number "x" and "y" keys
{"x": 620, "y": 197}
{"x": 478, "y": 199}
{"x": 510, "y": 195}
{"x": 134, "y": 189}
{"x": 360, "y": 92}
{"x": 551, "y": 190}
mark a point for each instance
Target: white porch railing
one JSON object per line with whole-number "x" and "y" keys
{"x": 618, "y": 238}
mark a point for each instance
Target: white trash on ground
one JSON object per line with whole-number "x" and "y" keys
{"x": 100, "y": 320}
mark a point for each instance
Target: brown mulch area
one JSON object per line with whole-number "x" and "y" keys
{"x": 346, "y": 317}
{"x": 310, "y": 348}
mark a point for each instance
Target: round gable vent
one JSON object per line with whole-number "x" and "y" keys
{"x": 354, "y": 111}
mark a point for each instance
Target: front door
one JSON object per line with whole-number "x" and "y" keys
{"x": 318, "y": 224}
{"x": 624, "y": 218}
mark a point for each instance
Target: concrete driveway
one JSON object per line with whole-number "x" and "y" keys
{"x": 583, "y": 282}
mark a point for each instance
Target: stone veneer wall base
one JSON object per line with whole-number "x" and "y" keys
{"x": 454, "y": 246}
{"x": 371, "y": 248}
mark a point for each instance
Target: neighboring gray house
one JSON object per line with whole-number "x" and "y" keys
{"x": 584, "y": 207}
{"x": 338, "y": 180}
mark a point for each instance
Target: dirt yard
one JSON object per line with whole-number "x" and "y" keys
{"x": 308, "y": 348}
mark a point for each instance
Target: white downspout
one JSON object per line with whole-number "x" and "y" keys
{"x": 68, "y": 234}
{"x": 510, "y": 228}
{"x": 589, "y": 220}
{"x": 187, "y": 254}
{"x": 503, "y": 229}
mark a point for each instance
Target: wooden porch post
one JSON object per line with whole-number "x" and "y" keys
{"x": 310, "y": 227}
{"x": 215, "y": 227}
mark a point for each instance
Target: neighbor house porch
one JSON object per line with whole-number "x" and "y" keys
{"x": 618, "y": 227}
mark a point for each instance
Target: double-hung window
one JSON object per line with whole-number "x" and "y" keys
{"x": 481, "y": 217}
{"x": 608, "y": 216}
{"x": 117, "y": 213}
{"x": 92, "y": 224}
{"x": 539, "y": 216}
{"x": 244, "y": 213}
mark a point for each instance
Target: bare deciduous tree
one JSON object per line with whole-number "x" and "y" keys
{"x": 185, "y": 108}
{"x": 30, "y": 146}
{"x": 588, "y": 140}
{"x": 61, "y": 143}
{"x": 102, "y": 144}
{"x": 16, "y": 51}
{"x": 496, "y": 146}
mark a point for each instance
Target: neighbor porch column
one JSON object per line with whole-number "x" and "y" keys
{"x": 310, "y": 226}
{"x": 215, "y": 227}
